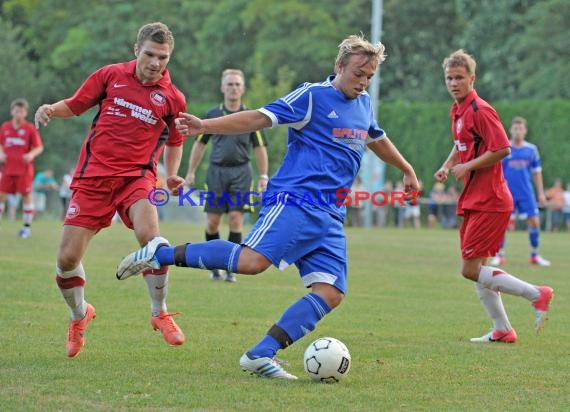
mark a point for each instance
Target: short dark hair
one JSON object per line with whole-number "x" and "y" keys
{"x": 19, "y": 103}
{"x": 157, "y": 32}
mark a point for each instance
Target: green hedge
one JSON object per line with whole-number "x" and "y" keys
{"x": 422, "y": 133}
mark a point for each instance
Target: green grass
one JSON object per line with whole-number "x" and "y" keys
{"x": 406, "y": 320}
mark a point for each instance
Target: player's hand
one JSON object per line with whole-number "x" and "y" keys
{"x": 411, "y": 185}
{"x": 189, "y": 125}
{"x": 459, "y": 171}
{"x": 190, "y": 178}
{"x": 542, "y": 200}
{"x": 262, "y": 185}
{"x": 174, "y": 184}
{"x": 28, "y": 157}
{"x": 43, "y": 115}
{"x": 441, "y": 175}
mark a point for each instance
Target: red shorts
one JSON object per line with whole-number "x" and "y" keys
{"x": 16, "y": 184}
{"x": 482, "y": 233}
{"x": 95, "y": 200}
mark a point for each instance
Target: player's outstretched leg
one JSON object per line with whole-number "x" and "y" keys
{"x": 298, "y": 320}
{"x": 142, "y": 259}
{"x": 215, "y": 254}
{"x": 539, "y": 296}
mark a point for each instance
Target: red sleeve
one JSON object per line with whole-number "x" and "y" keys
{"x": 89, "y": 93}
{"x": 490, "y": 128}
{"x": 174, "y": 137}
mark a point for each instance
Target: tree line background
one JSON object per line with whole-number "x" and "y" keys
{"x": 522, "y": 48}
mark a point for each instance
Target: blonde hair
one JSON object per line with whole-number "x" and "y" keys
{"x": 358, "y": 45}
{"x": 460, "y": 58}
{"x": 230, "y": 72}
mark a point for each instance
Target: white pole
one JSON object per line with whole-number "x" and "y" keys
{"x": 374, "y": 166}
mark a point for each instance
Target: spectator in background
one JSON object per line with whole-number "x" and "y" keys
{"x": 555, "y": 197}
{"x": 566, "y": 208}
{"x": 355, "y": 217}
{"x": 20, "y": 144}
{"x": 43, "y": 183}
{"x": 448, "y": 214}
{"x": 381, "y": 212}
{"x": 437, "y": 197}
{"x": 399, "y": 208}
{"x": 412, "y": 212}
{"x": 65, "y": 191}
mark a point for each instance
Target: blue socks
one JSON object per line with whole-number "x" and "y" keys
{"x": 533, "y": 233}
{"x": 298, "y": 320}
{"x": 215, "y": 254}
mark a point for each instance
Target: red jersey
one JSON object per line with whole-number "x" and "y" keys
{"x": 476, "y": 129}
{"x": 132, "y": 125}
{"x": 16, "y": 142}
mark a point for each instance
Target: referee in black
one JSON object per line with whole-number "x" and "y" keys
{"x": 229, "y": 171}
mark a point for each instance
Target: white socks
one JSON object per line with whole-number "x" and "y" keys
{"x": 157, "y": 289}
{"x": 71, "y": 284}
{"x": 498, "y": 280}
{"x": 493, "y": 303}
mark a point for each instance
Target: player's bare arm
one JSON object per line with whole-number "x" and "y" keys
{"x": 488, "y": 158}
{"x": 262, "y": 166}
{"x": 241, "y": 122}
{"x": 388, "y": 153}
{"x": 32, "y": 154}
{"x": 2, "y": 155}
{"x": 539, "y": 185}
{"x": 443, "y": 171}
{"x": 46, "y": 111}
{"x": 194, "y": 160}
{"x": 172, "y": 159}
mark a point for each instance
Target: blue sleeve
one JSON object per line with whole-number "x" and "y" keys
{"x": 535, "y": 165}
{"x": 374, "y": 132}
{"x": 293, "y": 110}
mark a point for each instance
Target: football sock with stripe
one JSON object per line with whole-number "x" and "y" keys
{"x": 497, "y": 279}
{"x": 215, "y": 254}
{"x": 71, "y": 283}
{"x": 298, "y": 320}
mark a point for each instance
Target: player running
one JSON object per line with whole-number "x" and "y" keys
{"x": 117, "y": 168}
{"x": 485, "y": 202}
{"x": 20, "y": 144}
{"x": 520, "y": 168}
{"x": 330, "y": 124}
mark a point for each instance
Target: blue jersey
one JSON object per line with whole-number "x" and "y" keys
{"x": 327, "y": 137}
{"x": 518, "y": 168}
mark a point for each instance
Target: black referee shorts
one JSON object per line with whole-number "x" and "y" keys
{"x": 229, "y": 184}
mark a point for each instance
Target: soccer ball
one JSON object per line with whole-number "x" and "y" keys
{"x": 327, "y": 360}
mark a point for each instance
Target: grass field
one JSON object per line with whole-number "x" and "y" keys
{"x": 406, "y": 320}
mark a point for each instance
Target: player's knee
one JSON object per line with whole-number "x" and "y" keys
{"x": 470, "y": 274}
{"x": 333, "y": 300}
{"x": 67, "y": 261}
{"x": 251, "y": 262}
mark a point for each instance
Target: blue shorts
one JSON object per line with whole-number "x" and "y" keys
{"x": 525, "y": 206}
{"x": 310, "y": 238}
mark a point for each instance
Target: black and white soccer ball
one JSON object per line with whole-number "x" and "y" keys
{"x": 327, "y": 360}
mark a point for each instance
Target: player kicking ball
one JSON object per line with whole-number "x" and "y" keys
{"x": 330, "y": 125}
{"x": 485, "y": 202}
